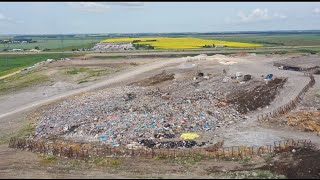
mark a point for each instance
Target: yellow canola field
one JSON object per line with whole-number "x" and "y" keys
{"x": 180, "y": 43}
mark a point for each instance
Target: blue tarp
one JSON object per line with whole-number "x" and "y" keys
{"x": 269, "y": 76}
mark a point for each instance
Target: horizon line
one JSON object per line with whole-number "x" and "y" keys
{"x": 220, "y": 32}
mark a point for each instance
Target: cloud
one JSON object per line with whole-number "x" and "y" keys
{"x": 103, "y": 6}
{"x": 4, "y": 18}
{"x": 257, "y": 15}
{"x": 90, "y": 6}
{"x": 279, "y": 16}
{"x": 127, "y": 4}
{"x": 316, "y": 10}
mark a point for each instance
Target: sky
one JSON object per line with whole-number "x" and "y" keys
{"x": 155, "y": 17}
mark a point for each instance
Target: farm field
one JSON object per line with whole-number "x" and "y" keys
{"x": 13, "y": 62}
{"x": 273, "y": 40}
{"x": 54, "y": 43}
{"x": 180, "y": 43}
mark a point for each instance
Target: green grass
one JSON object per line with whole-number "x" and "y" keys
{"x": 182, "y": 160}
{"x": 274, "y": 40}
{"x": 20, "y": 61}
{"x": 20, "y": 81}
{"x": 268, "y": 158}
{"x": 55, "y": 43}
{"x": 10, "y": 71}
{"x": 77, "y": 70}
{"x": 47, "y": 159}
{"x": 26, "y": 130}
{"x": 91, "y": 72}
{"x": 108, "y": 162}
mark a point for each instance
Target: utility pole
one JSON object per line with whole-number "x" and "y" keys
{"x": 6, "y": 46}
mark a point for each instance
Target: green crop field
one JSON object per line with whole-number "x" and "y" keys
{"x": 54, "y": 44}
{"x": 273, "y": 40}
{"x": 12, "y": 62}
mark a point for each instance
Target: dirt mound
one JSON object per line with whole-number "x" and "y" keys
{"x": 303, "y": 164}
{"x": 159, "y": 78}
{"x": 257, "y": 97}
{"x": 309, "y": 121}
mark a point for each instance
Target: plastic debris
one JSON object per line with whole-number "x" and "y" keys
{"x": 189, "y": 136}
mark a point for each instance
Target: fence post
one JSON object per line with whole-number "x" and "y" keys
{"x": 252, "y": 153}
{"x": 223, "y": 152}
{"x": 152, "y": 150}
{"x": 232, "y": 151}
{"x": 132, "y": 152}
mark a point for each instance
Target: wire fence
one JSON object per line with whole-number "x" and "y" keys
{"x": 83, "y": 151}
{"x": 290, "y": 105}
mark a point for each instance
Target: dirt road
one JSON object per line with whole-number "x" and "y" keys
{"x": 11, "y": 74}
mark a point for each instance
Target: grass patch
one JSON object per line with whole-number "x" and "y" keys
{"x": 20, "y": 81}
{"x": 246, "y": 160}
{"x": 182, "y": 160}
{"x": 108, "y": 162}
{"x": 74, "y": 71}
{"x": 92, "y": 72}
{"x": 268, "y": 158}
{"x": 308, "y": 51}
{"x": 10, "y": 71}
{"x": 231, "y": 158}
{"x": 16, "y": 61}
{"x": 26, "y": 130}
{"x": 47, "y": 159}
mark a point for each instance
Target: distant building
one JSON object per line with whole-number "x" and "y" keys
{"x": 21, "y": 40}
{"x": 14, "y": 50}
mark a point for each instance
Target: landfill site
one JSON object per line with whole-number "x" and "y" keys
{"x": 203, "y": 96}
{"x": 200, "y": 103}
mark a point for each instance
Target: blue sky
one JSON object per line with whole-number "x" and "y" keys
{"x": 159, "y": 17}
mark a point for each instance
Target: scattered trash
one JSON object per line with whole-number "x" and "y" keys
{"x": 246, "y": 77}
{"x": 123, "y": 115}
{"x": 269, "y": 77}
{"x": 226, "y": 79}
{"x": 238, "y": 74}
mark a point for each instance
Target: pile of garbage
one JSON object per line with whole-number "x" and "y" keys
{"x": 123, "y": 115}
